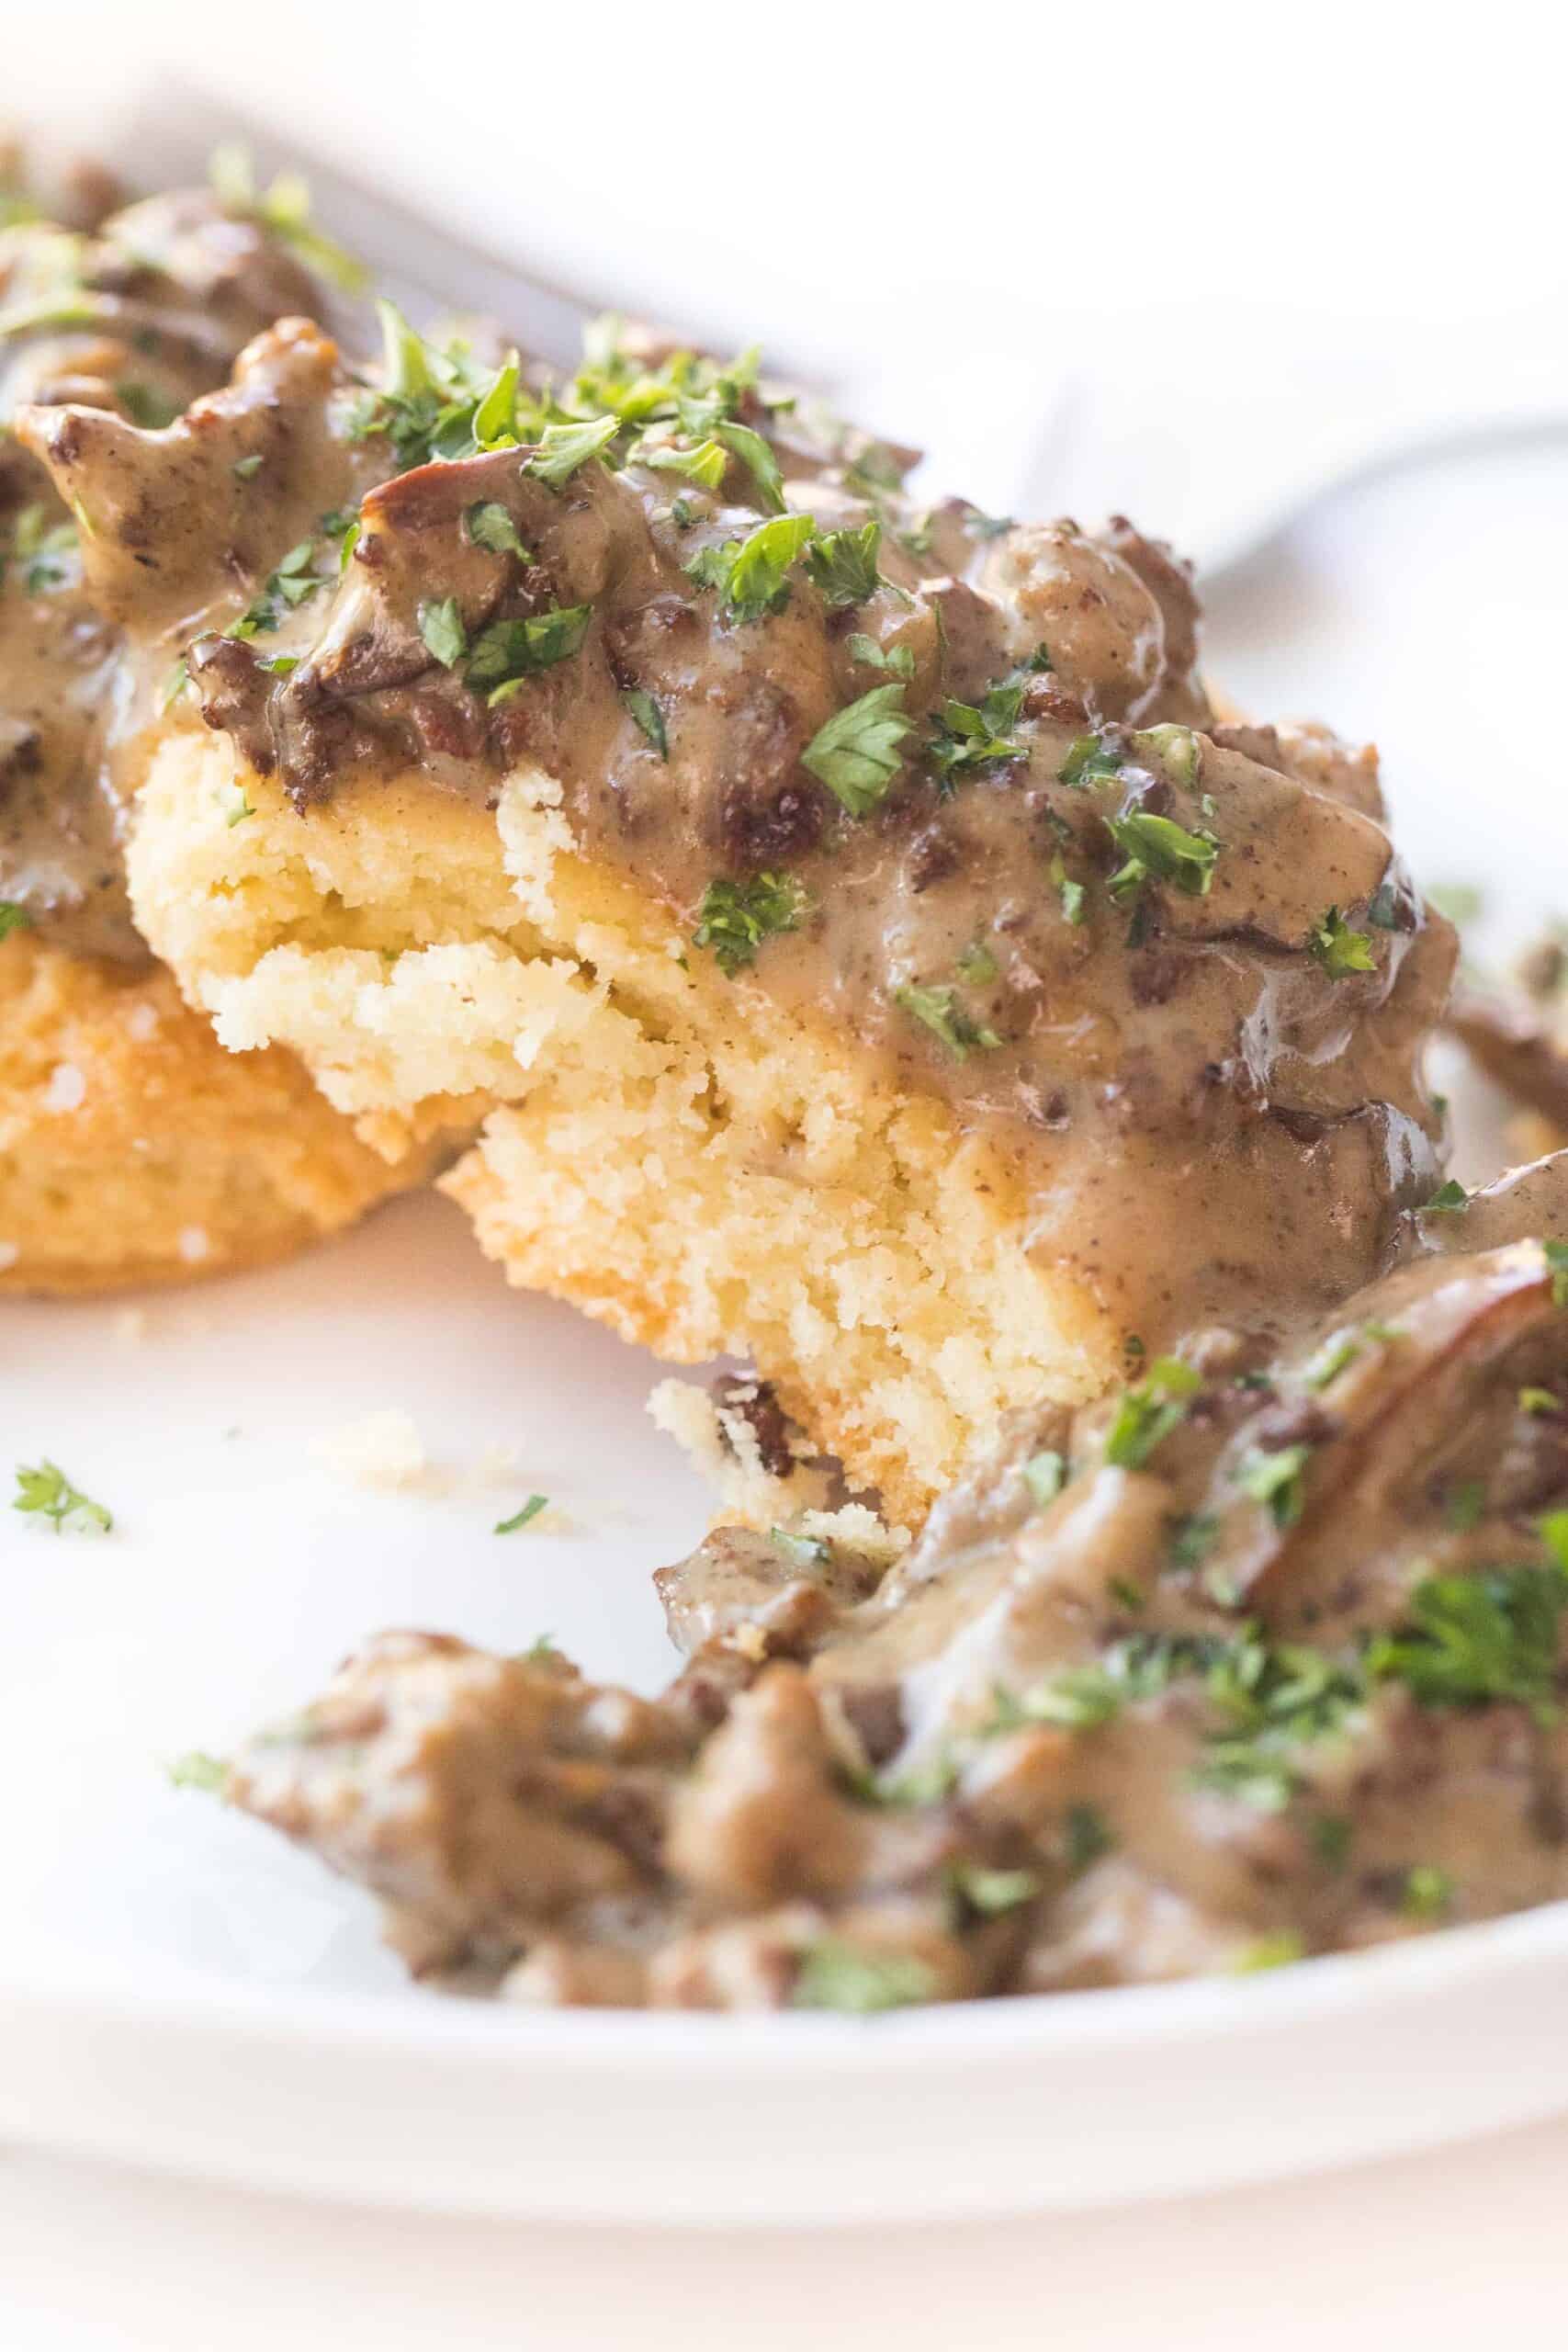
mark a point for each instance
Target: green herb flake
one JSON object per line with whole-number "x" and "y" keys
{"x": 837, "y": 1975}
{"x": 1148, "y": 1412}
{"x": 1336, "y": 1358}
{"x": 1340, "y": 950}
{"x": 441, "y": 627}
{"x": 1158, "y": 849}
{"x": 1465, "y": 1505}
{"x": 284, "y": 209}
{"x": 1277, "y": 1480}
{"x": 649, "y": 717}
{"x": 1045, "y": 1474}
{"x": 1190, "y": 1541}
{"x": 1280, "y": 1950}
{"x": 1071, "y": 894}
{"x": 1470, "y": 1639}
{"x": 899, "y": 660}
{"x": 1088, "y": 760}
{"x": 488, "y": 525}
{"x": 940, "y": 1010}
{"x": 13, "y": 917}
{"x": 196, "y": 1769}
{"x": 858, "y": 752}
{"x": 802, "y": 1551}
{"x": 1556, "y": 1256}
{"x": 1539, "y": 1402}
{"x": 509, "y": 652}
{"x": 967, "y": 735}
{"x": 1176, "y": 751}
{"x": 990, "y": 1894}
{"x": 735, "y": 918}
{"x": 145, "y": 405}
{"x": 842, "y": 566}
{"x": 247, "y": 468}
{"x": 1448, "y": 1200}
{"x": 1427, "y": 1893}
{"x": 704, "y": 463}
{"x": 530, "y": 1511}
{"x": 759, "y": 462}
{"x": 977, "y": 965}
{"x": 1086, "y": 1838}
{"x": 47, "y": 1491}
{"x": 1330, "y": 1836}
{"x": 562, "y": 448}
{"x": 750, "y": 574}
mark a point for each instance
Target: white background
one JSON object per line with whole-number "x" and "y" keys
{"x": 1300, "y": 236}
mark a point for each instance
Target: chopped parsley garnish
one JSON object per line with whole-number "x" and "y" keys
{"x": 145, "y": 405}
{"x": 900, "y": 661}
{"x": 990, "y": 1893}
{"x": 509, "y": 652}
{"x": 289, "y": 586}
{"x": 1340, "y": 950}
{"x": 284, "y": 208}
{"x": 1447, "y": 1199}
{"x": 752, "y": 574}
{"x": 977, "y": 965}
{"x": 1045, "y": 1474}
{"x": 48, "y": 1491}
{"x": 247, "y": 468}
{"x": 196, "y": 1769}
{"x": 1466, "y": 1505}
{"x": 1539, "y": 1401}
{"x": 704, "y": 463}
{"x": 736, "y": 917}
{"x": 563, "y": 447}
{"x": 836, "y": 1975}
{"x": 1330, "y": 1836}
{"x": 1149, "y": 1410}
{"x": 1192, "y": 1540}
{"x": 858, "y": 752}
{"x": 13, "y": 917}
{"x": 1174, "y": 750}
{"x": 1556, "y": 1256}
{"x": 488, "y": 525}
{"x": 1474, "y": 1638}
{"x": 804, "y": 1551}
{"x": 1086, "y": 1838}
{"x": 1158, "y": 849}
{"x": 650, "y": 717}
{"x": 441, "y": 627}
{"x": 434, "y": 403}
{"x": 1277, "y": 1480}
{"x": 1336, "y": 1357}
{"x": 1088, "y": 760}
{"x": 530, "y": 1511}
{"x": 1071, "y": 893}
{"x": 1427, "y": 1891}
{"x": 1281, "y": 1949}
{"x": 938, "y": 1007}
{"x": 966, "y": 735}
{"x": 43, "y": 548}
{"x": 759, "y": 462}
{"x": 1272, "y": 1698}
{"x": 842, "y": 566}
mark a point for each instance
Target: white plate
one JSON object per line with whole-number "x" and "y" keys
{"x": 179, "y": 1988}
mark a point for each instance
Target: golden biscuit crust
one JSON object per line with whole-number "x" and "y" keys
{"x": 134, "y": 1151}
{"x": 666, "y": 1148}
